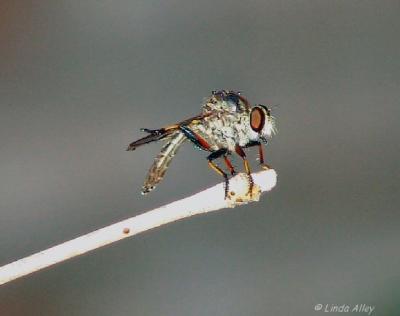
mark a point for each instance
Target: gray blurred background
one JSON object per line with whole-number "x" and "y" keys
{"x": 79, "y": 78}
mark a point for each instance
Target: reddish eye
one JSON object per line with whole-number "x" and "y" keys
{"x": 257, "y": 119}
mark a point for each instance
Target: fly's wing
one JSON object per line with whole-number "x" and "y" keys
{"x": 154, "y": 136}
{"x": 162, "y": 161}
{"x": 164, "y": 132}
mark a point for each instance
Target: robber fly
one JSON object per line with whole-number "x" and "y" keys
{"x": 226, "y": 125}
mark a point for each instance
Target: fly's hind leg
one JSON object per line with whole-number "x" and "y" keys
{"x": 202, "y": 143}
{"x": 214, "y": 155}
{"x": 239, "y": 150}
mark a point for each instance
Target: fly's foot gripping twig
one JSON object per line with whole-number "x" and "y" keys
{"x": 226, "y": 187}
{"x": 251, "y": 184}
{"x": 242, "y": 190}
{"x": 264, "y": 166}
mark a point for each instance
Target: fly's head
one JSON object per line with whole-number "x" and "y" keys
{"x": 262, "y": 123}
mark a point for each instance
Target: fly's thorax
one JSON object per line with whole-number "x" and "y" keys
{"x": 244, "y": 133}
{"x": 221, "y": 130}
{"x": 226, "y": 100}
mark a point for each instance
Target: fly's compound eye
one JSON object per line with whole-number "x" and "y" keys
{"x": 257, "y": 119}
{"x": 267, "y": 110}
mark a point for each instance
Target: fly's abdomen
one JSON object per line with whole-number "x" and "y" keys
{"x": 162, "y": 162}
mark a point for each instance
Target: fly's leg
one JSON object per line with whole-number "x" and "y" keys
{"x": 239, "y": 150}
{"x": 260, "y": 154}
{"x": 261, "y": 157}
{"x": 229, "y": 165}
{"x": 201, "y": 143}
{"x": 214, "y": 155}
{"x": 196, "y": 139}
{"x": 222, "y": 173}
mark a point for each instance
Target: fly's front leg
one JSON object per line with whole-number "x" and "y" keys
{"x": 214, "y": 155}
{"x": 239, "y": 150}
{"x": 261, "y": 157}
{"x": 260, "y": 154}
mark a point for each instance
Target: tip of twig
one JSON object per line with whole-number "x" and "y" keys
{"x": 241, "y": 192}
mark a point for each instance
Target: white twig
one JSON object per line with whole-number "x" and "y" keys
{"x": 211, "y": 199}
